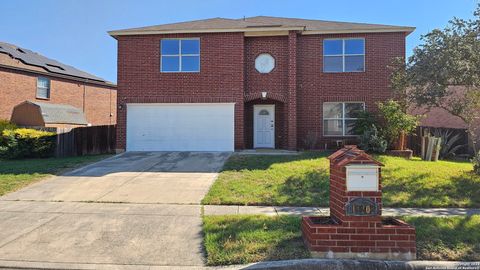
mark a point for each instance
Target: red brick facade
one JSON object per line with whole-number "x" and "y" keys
{"x": 297, "y": 85}
{"x": 97, "y": 101}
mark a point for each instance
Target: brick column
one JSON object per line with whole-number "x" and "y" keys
{"x": 291, "y": 105}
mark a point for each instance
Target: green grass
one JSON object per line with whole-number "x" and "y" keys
{"x": 272, "y": 180}
{"x": 253, "y": 238}
{"x": 16, "y": 174}
{"x": 303, "y": 181}
{"x": 449, "y": 238}
{"x": 429, "y": 184}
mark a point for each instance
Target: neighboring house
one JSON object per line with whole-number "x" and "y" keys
{"x": 440, "y": 118}
{"x": 29, "y": 76}
{"x": 260, "y": 82}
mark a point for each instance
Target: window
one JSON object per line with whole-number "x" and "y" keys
{"x": 339, "y": 117}
{"x": 43, "y": 88}
{"x": 263, "y": 112}
{"x": 344, "y": 55}
{"x": 180, "y": 55}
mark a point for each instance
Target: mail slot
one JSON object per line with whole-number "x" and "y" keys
{"x": 362, "y": 178}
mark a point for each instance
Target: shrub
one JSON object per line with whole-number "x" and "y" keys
{"x": 450, "y": 144}
{"x": 395, "y": 121}
{"x": 365, "y": 121}
{"x": 23, "y": 143}
{"x": 371, "y": 141}
{"x": 476, "y": 163}
{"x": 5, "y": 124}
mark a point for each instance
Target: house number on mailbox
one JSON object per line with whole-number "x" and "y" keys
{"x": 361, "y": 207}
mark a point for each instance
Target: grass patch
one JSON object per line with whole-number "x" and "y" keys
{"x": 252, "y": 238}
{"x": 449, "y": 238}
{"x": 272, "y": 180}
{"x": 302, "y": 180}
{"x": 16, "y": 174}
{"x": 418, "y": 183}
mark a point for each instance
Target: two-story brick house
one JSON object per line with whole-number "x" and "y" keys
{"x": 260, "y": 82}
{"x": 28, "y": 78}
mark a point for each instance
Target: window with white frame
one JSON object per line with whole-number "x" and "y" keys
{"x": 344, "y": 55}
{"x": 339, "y": 117}
{"x": 180, "y": 55}
{"x": 43, "y": 88}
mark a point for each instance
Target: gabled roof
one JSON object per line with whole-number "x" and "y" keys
{"x": 58, "y": 113}
{"x": 350, "y": 154}
{"x": 262, "y": 23}
{"x": 31, "y": 58}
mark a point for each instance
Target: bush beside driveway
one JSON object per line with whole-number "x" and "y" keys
{"x": 302, "y": 180}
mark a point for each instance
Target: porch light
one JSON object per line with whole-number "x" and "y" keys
{"x": 264, "y": 95}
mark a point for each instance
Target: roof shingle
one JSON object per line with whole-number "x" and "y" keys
{"x": 31, "y": 58}
{"x": 261, "y": 23}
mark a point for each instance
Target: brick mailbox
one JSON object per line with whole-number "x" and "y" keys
{"x": 355, "y": 227}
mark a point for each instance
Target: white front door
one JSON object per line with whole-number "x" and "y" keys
{"x": 264, "y": 126}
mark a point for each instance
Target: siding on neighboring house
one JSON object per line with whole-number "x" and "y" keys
{"x": 97, "y": 101}
{"x": 440, "y": 118}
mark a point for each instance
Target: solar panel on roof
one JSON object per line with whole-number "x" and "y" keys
{"x": 34, "y": 59}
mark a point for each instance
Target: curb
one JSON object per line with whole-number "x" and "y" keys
{"x": 332, "y": 264}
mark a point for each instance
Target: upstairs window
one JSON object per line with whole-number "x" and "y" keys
{"x": 344, "y": 55}
{"x": 339, "y": 118}
{"x": 43, "y": 88}
{"x": 180, "y": 55}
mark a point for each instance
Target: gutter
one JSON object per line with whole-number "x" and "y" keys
{"x": 249, "y": 31}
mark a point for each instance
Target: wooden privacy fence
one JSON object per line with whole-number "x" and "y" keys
{"x": 86, "y": 141}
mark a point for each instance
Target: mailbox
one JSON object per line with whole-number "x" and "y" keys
{"x": 362, "y": 177}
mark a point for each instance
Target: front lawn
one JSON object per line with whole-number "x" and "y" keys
{"x": 302, "y": 180}
{"x": 252, "y": 238}
{"x": 15, "y": 174}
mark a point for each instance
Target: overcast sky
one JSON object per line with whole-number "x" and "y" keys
{"x": 75, "y": 31}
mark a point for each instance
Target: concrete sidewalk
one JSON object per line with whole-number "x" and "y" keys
{"x": 286, "y": 210}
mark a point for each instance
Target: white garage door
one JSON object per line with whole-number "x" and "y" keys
{"x": 180, "y": 127}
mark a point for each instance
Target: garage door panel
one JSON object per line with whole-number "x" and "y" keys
{"x": 180, "y": 127}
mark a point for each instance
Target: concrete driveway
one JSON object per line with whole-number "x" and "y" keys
{"x": 134, "y": 177}
{"x": 136, "y": 209}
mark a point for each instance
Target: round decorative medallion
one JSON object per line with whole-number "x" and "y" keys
{"x": 264, "y": 63}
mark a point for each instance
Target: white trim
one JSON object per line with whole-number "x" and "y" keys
{"x": 301, "y": 29}
{"x": 265, "y": 34}
{"x": 339, "y": 119}
{"x": 256, "y": 108}
{"x": 179, "y": 55}
{"x": 184, "y": 31}
{"x": 343, "y": 55}
{"x": 407, "y": 30}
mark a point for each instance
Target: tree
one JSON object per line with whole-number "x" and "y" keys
{"x": 396, "y": 122}
{"x": 448, "y": 57}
